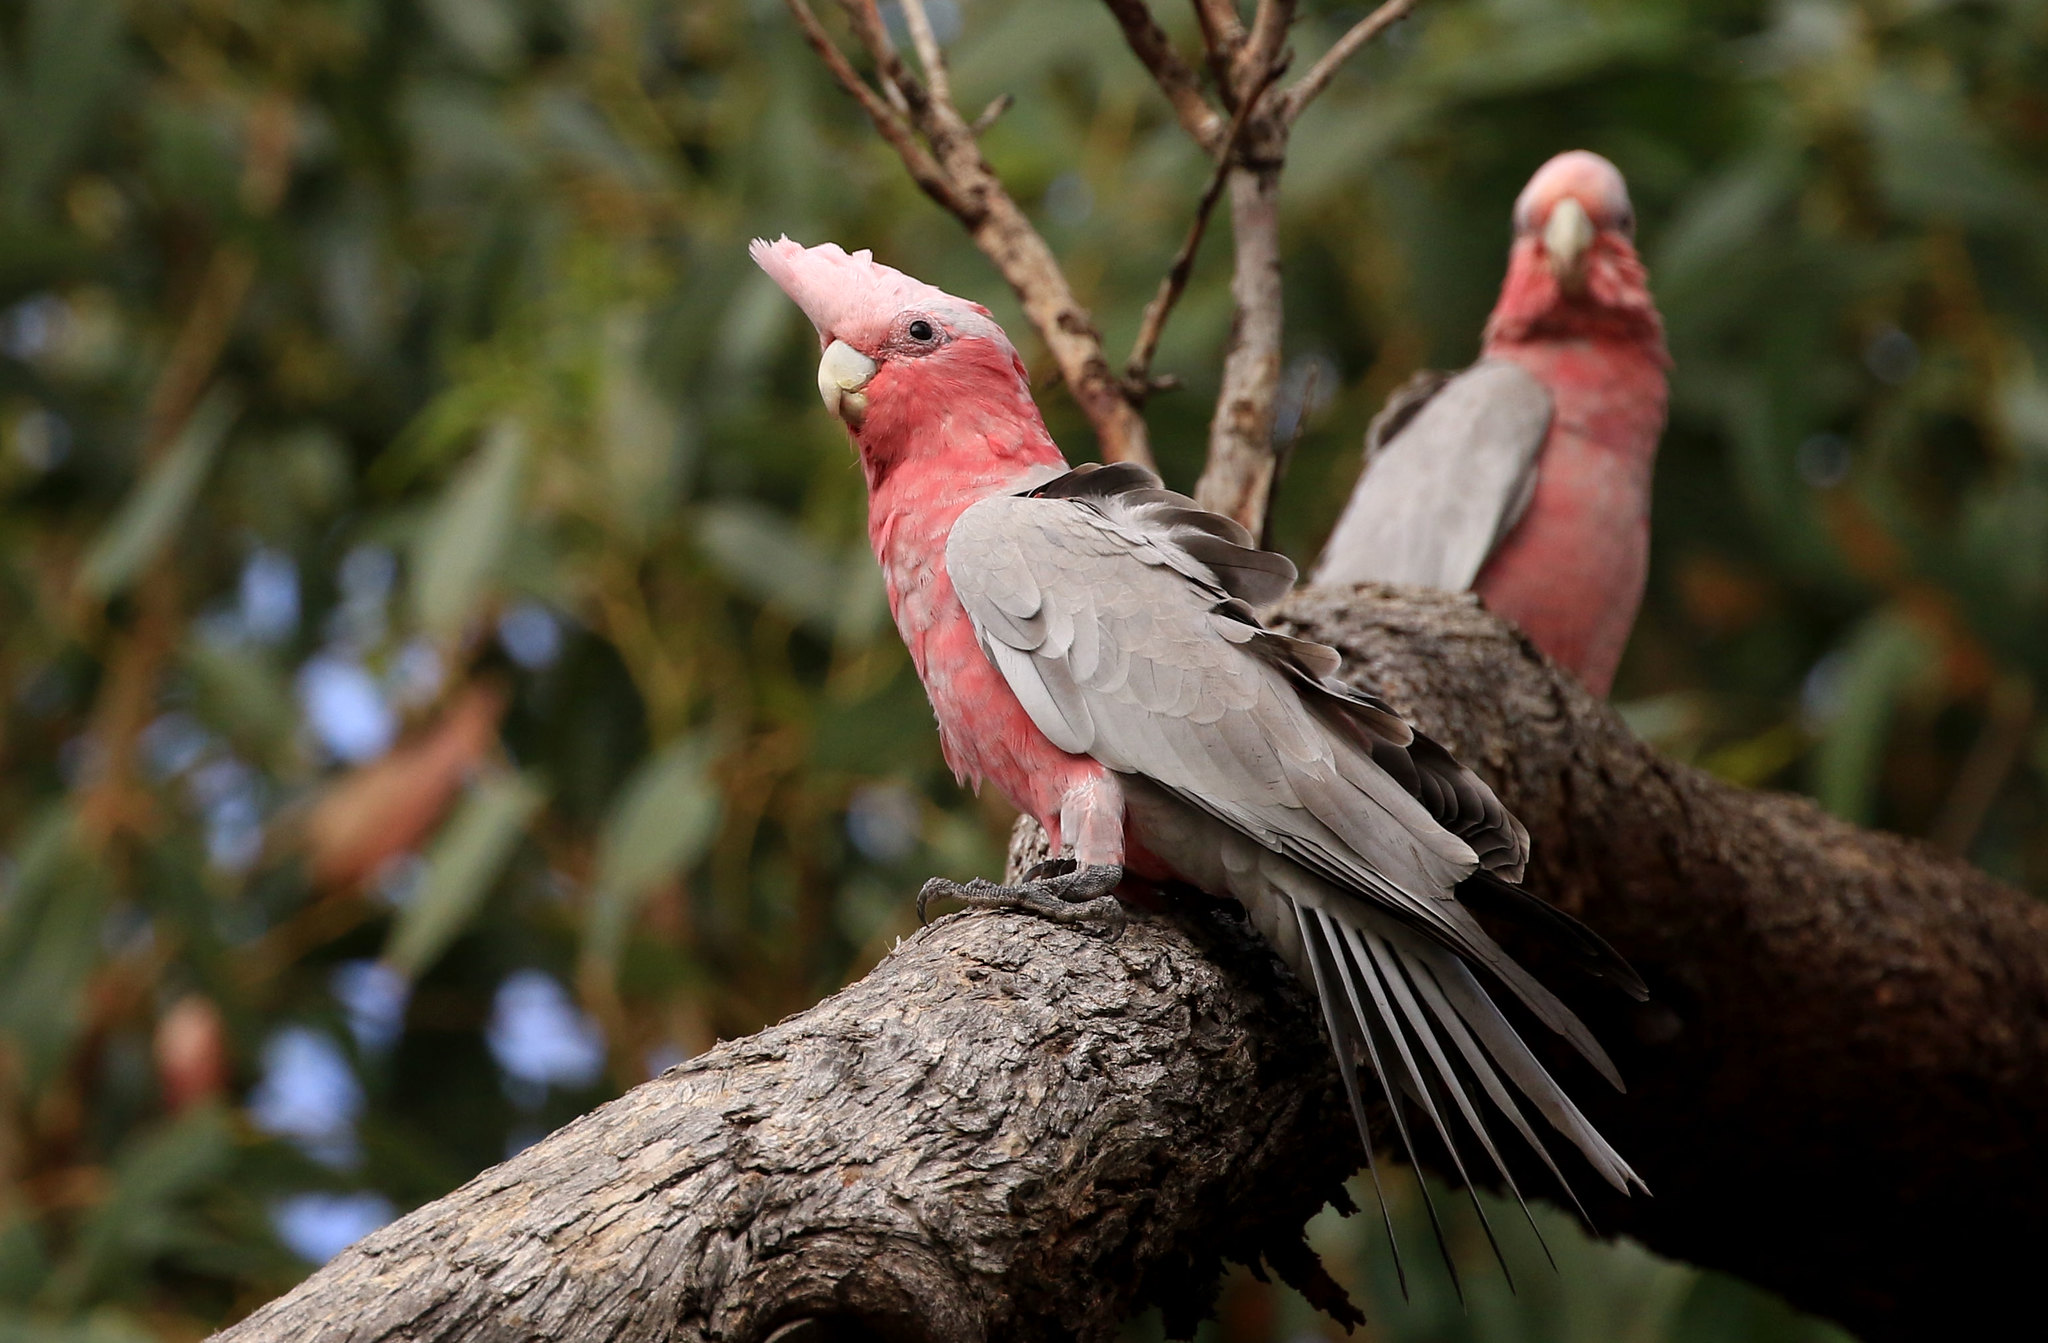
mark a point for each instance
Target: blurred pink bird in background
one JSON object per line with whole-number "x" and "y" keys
{"x": 1089, "y": 645}
{"x": 1526, "y": 478}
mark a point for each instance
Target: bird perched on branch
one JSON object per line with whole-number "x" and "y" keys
{"x": 1526, "y": 478}
{"x": 1090, "y": 646}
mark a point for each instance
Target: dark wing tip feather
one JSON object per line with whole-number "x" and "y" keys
{"x": 1097, "y": 480}
{"x": 1220, "y": 545}
{"x": 1460, "y": 800}
{"x": 1485, "y": 893}
{"x": 1402, "y": 406}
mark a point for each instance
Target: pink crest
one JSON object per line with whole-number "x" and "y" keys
{"x": 848, "y": 296}
{"x": 1580, "y": 173}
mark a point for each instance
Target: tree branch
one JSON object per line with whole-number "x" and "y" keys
{"x": 923, "y": 169}
{"x": 1263, "y": 45}
{"x": 953, "y": 172}
{"x": 1222, "y": 35}
{"x": 1138, "y": 379}
{"x": 1149, "y": 43}
{"x": 1237, "y": 478}
{"x": 928, "y": 53}
{"x": 1304, "y": 90}
{"x": 1012, "y": 1130}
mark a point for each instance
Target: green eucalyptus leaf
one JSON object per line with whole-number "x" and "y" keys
{"x": 664, "y": 821}
{"x": 463, "y": 547}
{"x": 154, "y": 511}
{"x": 1884, "y": 656}
{"x": 51, "y": 922}
{"x": 461, "y": 867}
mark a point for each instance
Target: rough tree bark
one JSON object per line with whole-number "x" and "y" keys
{"x": 1013, "y": 1130}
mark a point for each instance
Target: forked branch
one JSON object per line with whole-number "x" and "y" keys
{"x": 1304, "y": 90}
{"x": 1138, "y": 379}
{"x": 939, "y": 148}
{"x": 1245, "y": 65}
{"x": 1242, "y": 124}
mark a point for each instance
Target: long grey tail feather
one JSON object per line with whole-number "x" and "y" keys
{"x": 1424, "y": 980}
{"x": 1378, "y": 977}
{"x": 1399, "y": 987}
{"x": 1419, "y": 986}
{"x": 1340, "y": 1039}
{"x": 1497, "y": 1035}
{"x": 1325, "y": 946}
{"x": 1473, "y": 942}
{"x": 1367, "y": 946}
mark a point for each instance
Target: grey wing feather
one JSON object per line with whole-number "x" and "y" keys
{"x": 1122, "y": 616}
{"x": 1449, "y": 470}
{"x": 1402, "y": 405}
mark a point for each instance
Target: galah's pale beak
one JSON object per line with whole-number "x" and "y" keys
{"x": 1566, "y": 236}
{"x": 841, "y": 375}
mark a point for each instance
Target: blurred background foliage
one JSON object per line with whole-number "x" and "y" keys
{"x": 444, "y": 679}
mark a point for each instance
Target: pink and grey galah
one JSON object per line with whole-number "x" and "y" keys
{"x": 1091, "y": 647}
{"x": 1526, "y": 478}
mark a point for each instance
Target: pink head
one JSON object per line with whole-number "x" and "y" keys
{"x": 914, "y": 372}
{"x": 1573, "y": 269}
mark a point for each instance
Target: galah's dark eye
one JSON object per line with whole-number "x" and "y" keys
{"x": 921, "y": 330}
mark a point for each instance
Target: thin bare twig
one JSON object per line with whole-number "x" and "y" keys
{"x": 928, "y": 53}
{"x": 924, "y": 170}
{"x": 1222, "y": 35}
{"x": 1305, "y": 89}
{"x": 1138, "y": 381}
{"x": 874, "y": 35}
{"x": 938, "y": 146}
{"x": 1261, "y": 46}
{"x": 1154, "y": 50}
{"x": 997, "y": 105}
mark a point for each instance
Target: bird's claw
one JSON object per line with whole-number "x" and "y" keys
{"x": 1050, "y": 867}
{"x": 936, "y": 888}
{"x": 1083, "y": 896}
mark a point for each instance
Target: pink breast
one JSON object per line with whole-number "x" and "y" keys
{"x": 983, "y": 730}
{"x": 1571, "y": 573}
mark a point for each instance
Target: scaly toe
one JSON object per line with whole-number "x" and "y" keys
{"x": 1051, "y": 867}
{"x": 1086, "y": 896}
{"x": 935, "y": 889}
{"x": 1107, "y": 911}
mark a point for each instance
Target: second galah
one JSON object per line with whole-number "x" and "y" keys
{"x": 1090, "y": 646}
{"x": 1526, "y": 478}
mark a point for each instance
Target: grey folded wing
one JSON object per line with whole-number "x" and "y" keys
{"x": 1122, "y": 617}
{"x": 1450, "y": 468}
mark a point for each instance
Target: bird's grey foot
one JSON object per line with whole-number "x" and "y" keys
{"x": 1051, "y": 867}
{"x": 1070, "y": 894}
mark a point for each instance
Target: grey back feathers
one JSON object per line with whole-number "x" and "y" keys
{"x": 1450, "y": 467}
{"x": 1124, "y": 619}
